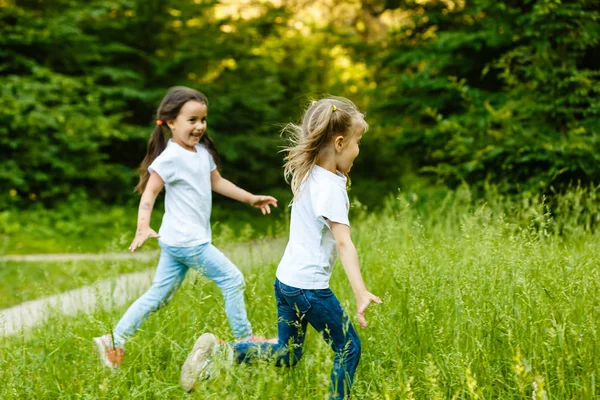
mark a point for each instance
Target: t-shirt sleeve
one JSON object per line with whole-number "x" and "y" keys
{"x": 163, "y": 166}
{"x": 331, "y": 204}
{"x": 211, "y": 162}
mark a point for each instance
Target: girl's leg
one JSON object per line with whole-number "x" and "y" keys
{"x": 328, "y": 317}
{"x": 168, "y": 277}
{"x": 214, "y": 265}
{"x": 291, "y": 328}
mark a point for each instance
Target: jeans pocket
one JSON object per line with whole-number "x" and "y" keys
{"x": 289, "y": 290}
{"x": 322, "y": 293}
{"x": 294, "y": 297}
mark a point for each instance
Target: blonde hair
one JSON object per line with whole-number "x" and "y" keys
{"x": 322, "y": 121}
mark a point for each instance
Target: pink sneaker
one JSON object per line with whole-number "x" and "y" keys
{"x": 110, "y": 356}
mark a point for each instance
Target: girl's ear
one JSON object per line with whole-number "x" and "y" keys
{"x": 170, "y": 123}
{"x": 338, "y": 143}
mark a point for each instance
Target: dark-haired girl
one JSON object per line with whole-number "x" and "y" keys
{"x": 183, "y": 159}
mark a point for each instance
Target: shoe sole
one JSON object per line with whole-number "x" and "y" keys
{"x": 196, "y": 362}
{"x": 101, "y": 350}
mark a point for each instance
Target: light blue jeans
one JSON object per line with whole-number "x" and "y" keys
{"x": 172, "y": 268}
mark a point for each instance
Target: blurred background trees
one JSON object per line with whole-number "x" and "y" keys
{"x": 481, "y": 91}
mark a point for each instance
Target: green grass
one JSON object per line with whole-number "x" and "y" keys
{"x": 27, "y": 280}
{"x": 76, "y": 230}
{"x": 23, "y": 281}
{"x": 481, "y": 301}
{"x": 85, "y": 227}
{"x": 106, "y": 230}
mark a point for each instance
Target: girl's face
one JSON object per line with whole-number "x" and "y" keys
{"x": 190, "y": 124}
{"x": 347, "y": 150}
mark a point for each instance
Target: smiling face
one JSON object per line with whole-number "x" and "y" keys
{"x": 347, "y": 150}
{"x": 190, "y": 125}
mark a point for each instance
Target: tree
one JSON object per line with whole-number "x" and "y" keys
{"x": 500, "y": 91}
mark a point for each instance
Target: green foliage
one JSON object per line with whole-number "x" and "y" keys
{"x": 475, "y": 91}
{"x": 62, "y": 102}
{"x": 497, "y": 91}
{"x": 80, "y": 85}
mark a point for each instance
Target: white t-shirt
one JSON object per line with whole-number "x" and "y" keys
{"x": 311, "y": 251}
{"x": 188, "y": 198}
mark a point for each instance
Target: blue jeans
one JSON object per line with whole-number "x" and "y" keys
{"x": 295, "y": 309}
{"x": 172, "y": 268}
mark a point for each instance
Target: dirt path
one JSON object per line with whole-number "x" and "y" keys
{"x": 117, "y": 291}
{"x": 140, "y": 255}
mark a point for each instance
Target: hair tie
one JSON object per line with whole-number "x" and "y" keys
{"x": 159, "y": 122}
{"x": 334, "y": 108}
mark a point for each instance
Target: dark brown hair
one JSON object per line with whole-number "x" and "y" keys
{"x": 168, "y": 110}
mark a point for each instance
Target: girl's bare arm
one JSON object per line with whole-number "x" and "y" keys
{"x": 228, "y": 189}
{"x": 349, "y": 257}
{"x": 153, "y": 187}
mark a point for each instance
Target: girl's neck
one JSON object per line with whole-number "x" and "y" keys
{"x": 326, "y": 160}
{"x": 329, "y": 165}
{"x": 183, "y": 146}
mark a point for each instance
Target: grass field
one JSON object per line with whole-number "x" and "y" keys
{"x": 23, "y": 281}
{"x": 84, "y": 227}
{"x": 494, "y": 300}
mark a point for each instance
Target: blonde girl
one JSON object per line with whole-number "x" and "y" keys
{"x": 318, "y": 161}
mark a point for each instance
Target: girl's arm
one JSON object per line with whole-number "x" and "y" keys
{"x": 228, "y": 189}
{"x": 143, "y": 232}
{"x": 349, "y": 257}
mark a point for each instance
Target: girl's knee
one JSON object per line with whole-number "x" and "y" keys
{"x": 157, "y": 298}
{"x": 240, "y": 281}
{"x": 236, "y": 281}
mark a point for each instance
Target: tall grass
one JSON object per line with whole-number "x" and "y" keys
{"x": 24, "y": 281}
{"x": 496, "y": 298}
{"x": 92, "y": 227}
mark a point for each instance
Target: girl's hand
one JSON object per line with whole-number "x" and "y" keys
{"x": 263, "y": 203}
{"x": 141, "y": 236}
{"x": 362, "y": 302}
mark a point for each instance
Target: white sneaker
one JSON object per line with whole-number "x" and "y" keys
{"x": 196, "y": 366}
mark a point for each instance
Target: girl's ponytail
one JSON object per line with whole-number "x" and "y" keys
{"x": 156, "y": 145}
{"x": 211, "y": 147}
